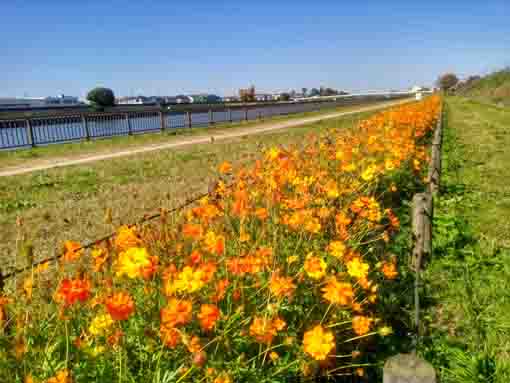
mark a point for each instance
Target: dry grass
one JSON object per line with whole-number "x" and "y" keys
{"x": 71, "y": 202}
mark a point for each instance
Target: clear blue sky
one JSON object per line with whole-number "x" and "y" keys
{"x": 168, "y": 47}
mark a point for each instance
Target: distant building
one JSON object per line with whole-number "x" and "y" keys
{"x": 38, "y": 102}
{"x": 182, "y": 99}
{"x": 21, "y": 103}
{"x": 231, "y": 99}
{"x": 261, "y": 97}
{"x": 417, "y": 88}
{"x": 62, "y": 100}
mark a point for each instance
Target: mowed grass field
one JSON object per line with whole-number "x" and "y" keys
{"x": 468, "y": 276}
{"x": 72, "y": 203}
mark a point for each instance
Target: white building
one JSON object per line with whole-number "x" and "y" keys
{"x": 37, "y": 102}
{"x": 140, "y": 100}
{"x": 20, "y": 103}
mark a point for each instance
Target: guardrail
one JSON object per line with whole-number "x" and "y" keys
{"x": 36, "y": 129}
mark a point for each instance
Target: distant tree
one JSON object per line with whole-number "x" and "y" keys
{"x": 292, "y": 93}
{"x": 284, "y": 97}
{"x": 321, "y": 91}
{"x": 330, "y": 92}
{"x": 101, "y": 97}
{"x": 447, "y": 81}
{"x": 314, "y": 92}
{"x": 304, "y": 90}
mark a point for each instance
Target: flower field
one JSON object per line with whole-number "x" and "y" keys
{"x": 282, "y": 271}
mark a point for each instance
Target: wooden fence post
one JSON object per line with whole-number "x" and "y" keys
{"x": 421, "y": 229}
{"x": 229, "y": 115}
{"x": 245, "y": 114}
{"x": 434, "y": 174}
{"x": 85, "y": 127}
{"x": 30, "y": 133}
{"x": 162, "y": 119}
{"x": 188, "y": 116}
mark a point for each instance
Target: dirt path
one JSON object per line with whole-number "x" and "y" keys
{"x": 201, "y": 139}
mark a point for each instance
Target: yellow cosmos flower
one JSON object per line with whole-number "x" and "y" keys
{"x": 273, "y": 153}
{"x": 315, "y": 267}
{"x": 337, "y": 249}
{"x": 132, "y": 261}
{"x": 126, "y": 238}
{"x": 357, "y": 269}
{"x": 389, "y": 164}
{"x": 189, "y": 280}
{"x": 318, "y": 343}
{"x": 369, "y": 173}
{"x": 100, "y": 324}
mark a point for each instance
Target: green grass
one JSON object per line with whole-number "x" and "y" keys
{"x": 82, "y": 148}
{"x": 493, "y": 88}
{"x": 468, "y": 277}
{"x": 71, "y": 202}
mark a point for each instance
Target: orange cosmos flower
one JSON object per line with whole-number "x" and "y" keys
{"x": 126, "y": 238}
{"x": 63, "y": 376}
{"x": 149, "y": 270}
{"x": 361, "y": 324}
{"x": 225, "y": 167}
{"x": 223, "y": 378}
{"x": 215, "y": 244}
{"x": 170, "y": 336}
{"x": 72, "y": 251}
{"x": 281, "y": 286}
{"x": 318, "y": 342}
{"x": 193, "y": 231}
{"x": 208, "y": 316}
{"x": 389, "y": 269}
{"x": 336, "y": 292}
{"x": 315, "y": 267}
{"x": 3, "y": 302}
{"x": 177, "y": 312}
{"x": 100, "y": 256}
{"x": 73, "y": 290}
{"x": 337, "y": 249}
{"x": 221, "y": 287}
{"x": 264, "y": 329}
{"x": 261, "y": 214}
{"x": 394, "y": 221}
{"x": 120, "y": 305}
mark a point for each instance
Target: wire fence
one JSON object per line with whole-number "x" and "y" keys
{"x": 5, "y": 276}
{"x": 44, "y": 129}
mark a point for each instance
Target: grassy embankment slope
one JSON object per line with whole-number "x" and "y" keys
{"x": 468, "y": 279}
{"x": 493, "y": 88}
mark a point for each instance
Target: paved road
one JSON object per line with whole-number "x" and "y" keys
{"x": 201, "y": 139}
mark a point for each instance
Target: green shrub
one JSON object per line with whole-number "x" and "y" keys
{"x": 101, "y": 97}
